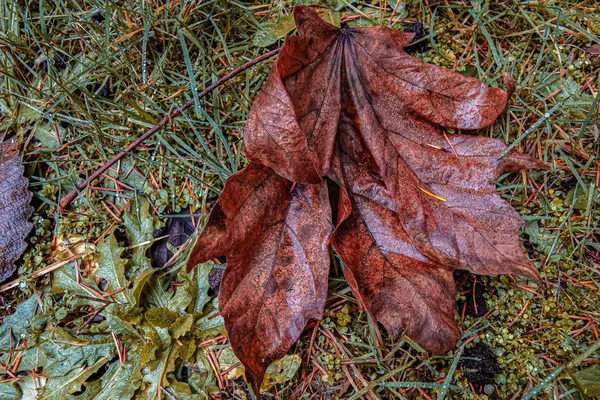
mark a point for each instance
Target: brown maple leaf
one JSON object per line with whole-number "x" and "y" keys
{"x": 416, "y": 204}
{"x": 15, "y": 209}
{"x": 275, "y": 235}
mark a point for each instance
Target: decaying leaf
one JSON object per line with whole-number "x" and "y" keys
{"x": 594, "y": 51}
{"x": 280, "y": 371}
{"x": 15, "y": 209}
{"x": 60, "y": 388}
{"x": 275, "y": 237}
{"x": 392, "y": 280}
{"x": 416, "y": 204}
{"x": 588, "y": 380}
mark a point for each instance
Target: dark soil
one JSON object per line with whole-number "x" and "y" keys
{"x": 60, "y": 60}
{"x": 419, "y": 31}
{"x": 178, "y": 228}
{"x": 476, "y": 306}
{"x": 479, "y": 365}
{"x": 214, "y": 280}
{"x": 98, "y": 18}
{"x": 105, "y": 90}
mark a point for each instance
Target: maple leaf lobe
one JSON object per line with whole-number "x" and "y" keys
{"x": 293, "y": 123}
{"x": 415, "y": 203}
{"x": 275, "y": 240}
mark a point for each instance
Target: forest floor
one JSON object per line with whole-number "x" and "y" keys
{"x": 80, "y": 81}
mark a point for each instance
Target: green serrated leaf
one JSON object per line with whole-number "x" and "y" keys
{"x": 139, "y": 282}
{"x": 129, "y": 177}
{"x": 64, "y": 281}
{"x": 188, "y": 349}
{"x": 122, "y": 322}
{"x": 203, "y": 379}
{"x": 576, "y": 102}
{"x": 544, "y": 241}
{"x": 281, "y": 371}
{"x": 17, "y": 322}
{"x": 588, "y": 380}
{"x": 158, "y": 370}
{"x": 29, "y": 360}
{"x": 45, "y": 133}
{"x": 28, "y": 114}
{"x": 9, "y": 392}
{"x": 201, "y": 285}
{"x": 228, "y": 359}
{"x": 60, "y": 352}
{"x": 184, "y": 294}
{"x": 183, "y": 391}
{"x": 581, "y": 201}
{"x": 154, "y": 294}
{"x": 29, "y": 386}
{"x": 210, "y": 325}
{"x": 157, "y": 330}
{"x": 181, "y": 326}
{"x": 161, "y": 317}
{"x": 58, "y": 388}
{"x": 111, "y": 267}
{"x": 20, "y": 322}
{"x": 121, "y": 381}
{"x": 274, "y": 30}
{"x": 139, "y": 229}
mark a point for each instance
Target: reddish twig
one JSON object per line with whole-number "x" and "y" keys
{"x": 69, "y": 197}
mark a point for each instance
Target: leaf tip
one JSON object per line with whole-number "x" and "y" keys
{"x": 254, "y": 376}
{"x": 192, "y": 260}
{"x": 509, "y": 84}
{"x": 189, "y": 267}
{"x": 307, "y": 19}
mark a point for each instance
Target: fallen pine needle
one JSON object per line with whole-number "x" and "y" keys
{"x": 427, "y": 192}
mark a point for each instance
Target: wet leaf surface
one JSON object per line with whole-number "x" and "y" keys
{"x": 274, "y": 234}
{"x": 416, "y": 203}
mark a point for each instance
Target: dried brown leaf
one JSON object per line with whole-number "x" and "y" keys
{"x": 274, "y": 234}
{"x": 15, "y": 209}
{"x": 416, "y": 203}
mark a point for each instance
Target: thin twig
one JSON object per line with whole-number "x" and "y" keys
{"x": 91, "y": 318}
{"x": 69, "y": 197}
{"x": 103, "y": 301}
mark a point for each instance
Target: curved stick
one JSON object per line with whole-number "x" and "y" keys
{"x": 69, "y": 197}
